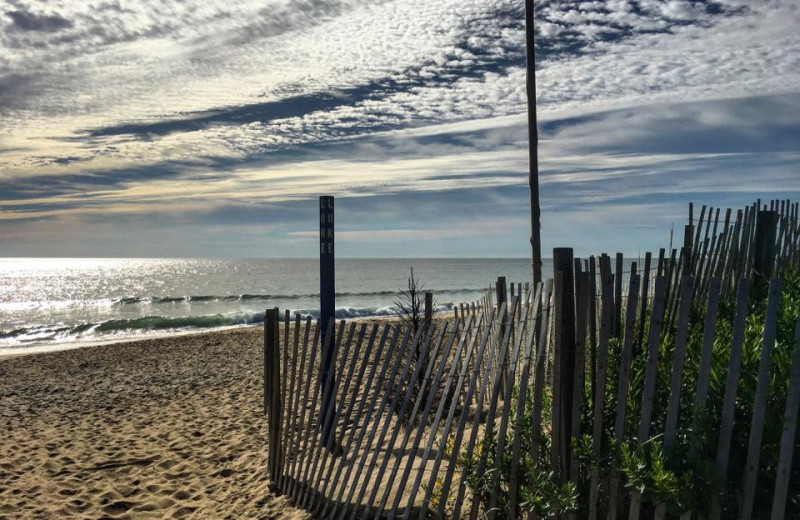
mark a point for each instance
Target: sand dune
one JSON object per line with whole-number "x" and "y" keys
{"x": 166, "y": 428}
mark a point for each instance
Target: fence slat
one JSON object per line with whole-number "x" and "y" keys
{"x": 418, "y": 365}
{"x": 555, "y": 414}
{"x": 366, "y": 386}
{"x": 295, "y": 412}
{"x": 299, "y": 465}
{"x": 485, "y": 381}
{"x": 407, "y": 347}
{"x": 522, "y": 397}
{"x": 681, "y": 337}
{"x": 731, "y": 387}
{"x": 272, "y": 391}
{"x": 709, "y": 330}
{"x": 788, "y": 434}
{"x": 445, "y": 488}
{"x": 501, "y": 438}
{"x": 421, "y": 397}
{"x": 289, "y": 405}
{"x": 760, "y": 404}
{"x": 312, "y": 437}
{"x": 387, "y": 419}
{"x": 330, "y": 392}
{"x": 385, "y": 366}
{"x": 579, "y": 377}
{"x": 330, "y": 457}
{"x": 622, "y": 400}
{"x": 654, "y": 340}
{"x": 495, "y": 396}
{"x": 464, "y": 335}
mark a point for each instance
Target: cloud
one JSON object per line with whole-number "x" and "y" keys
{"x": 189, "y": 108}
{"x": 27, "y": 21}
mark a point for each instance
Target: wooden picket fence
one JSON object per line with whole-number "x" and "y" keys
{"x": 463, "y": 416}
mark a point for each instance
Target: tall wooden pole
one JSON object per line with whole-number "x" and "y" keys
{"x": 533, "y": 144}
{"x": 327, "y": 300}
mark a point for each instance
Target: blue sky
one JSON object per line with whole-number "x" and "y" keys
{"x": 209, "y": 128}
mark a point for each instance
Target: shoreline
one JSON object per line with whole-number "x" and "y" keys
{"x": 14, "y": 352}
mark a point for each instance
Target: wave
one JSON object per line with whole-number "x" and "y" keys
{"x": 132, "y": 300}
{"x": 132, "y": 326}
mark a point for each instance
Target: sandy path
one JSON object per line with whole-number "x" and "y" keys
{"x": 165, "y": 428}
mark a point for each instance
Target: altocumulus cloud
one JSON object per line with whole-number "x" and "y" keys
{"x": 122, "y": 118}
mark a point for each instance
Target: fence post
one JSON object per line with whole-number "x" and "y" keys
{"x": 327, "y": 300}
{"x": 428, "y": 310}
{"x": 617, "y": 323}
{"x": 502, "y": 319}
{"x": 563, "y": 262}
{"x": 764, "y": 254}
{"x": 272, "y": 394}
{"x": 500, "y": 290}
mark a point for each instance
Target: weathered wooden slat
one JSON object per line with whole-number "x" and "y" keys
{"x": 423, "y": 423}
{"x": 709, "y": 330}
{"x": 541, "y": 370}
{"x": 760, "y": 404}
{"x": 311, "y": 369}
{"x": 726, "y": 229}
{"x": 389, "y": 361}
{"x": 312, "y": 423}
{"x": 387, "y": 420}
{"x": 555, "y": 426}
{"x": 579, "y": 377}
{"x": 679, "y": 355}
{"x": 331, "y": 456}
{"x": 788, "y": 434}
{"x": 365, "y": 385}
{"x": 495, "y": 396}
{"x": 698, "y": 231}
{"x": 681, "y": 337}
{"x": 654, "y": 340}
{"x": 731, "y": 387}
{"x": 522, "y": 397}
{"x": 645, "y": 296}
{"x": 592, "y": 320}
{"x": 330, "y": 394}
{"x": 485, "y": 382}
{"x": 272, "y": 390}
{"x": 297, "y": 407}
{"x": 424, "y": 395}
{"x": 622, "y": 400}
{"x": 476, "y": 367}
{"x": 284, "y": 393}
{"x": 290, "y": 407}
{"x": 419, "y": 364}
{"x": 506, "y": 414}
{"x": 729, "y": 270}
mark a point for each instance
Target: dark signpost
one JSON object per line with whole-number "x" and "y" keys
{"x": 327, "y": 300}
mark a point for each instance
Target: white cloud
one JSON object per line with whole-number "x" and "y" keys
{"x": 425, "y": 69}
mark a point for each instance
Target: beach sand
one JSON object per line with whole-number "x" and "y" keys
{"x": 162, "y": 428}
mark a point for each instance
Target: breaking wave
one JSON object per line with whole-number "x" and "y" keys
{"x": 132, "y": 300}
{"x": 130, "y": 327}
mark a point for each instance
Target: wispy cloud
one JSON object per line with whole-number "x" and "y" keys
{"x": 115, "y": 110}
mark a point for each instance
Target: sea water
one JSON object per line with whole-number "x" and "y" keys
{"x": 61, "y": 303}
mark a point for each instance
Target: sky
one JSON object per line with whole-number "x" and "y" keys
{"x": 206, "y": 128}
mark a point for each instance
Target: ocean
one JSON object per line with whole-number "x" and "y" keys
{"x": 56, "y": 303}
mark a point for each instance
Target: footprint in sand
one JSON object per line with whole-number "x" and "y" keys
{"x": 181, "y": 494}
{"x": 184, "y": 511}
{"x": 118, "y": 507}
